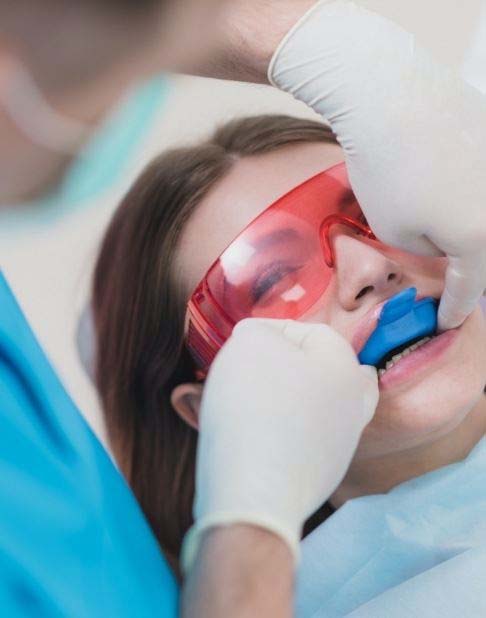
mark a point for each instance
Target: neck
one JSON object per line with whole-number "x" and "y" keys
{"x": 380, "y": 474}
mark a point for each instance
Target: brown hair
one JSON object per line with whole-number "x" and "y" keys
{"x": 139, "y": 309}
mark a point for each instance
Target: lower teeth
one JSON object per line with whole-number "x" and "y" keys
{"x": 405, "y": 352}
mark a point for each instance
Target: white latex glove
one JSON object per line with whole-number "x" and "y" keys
{"x": 283, "y": 408}
{"x": 413, "y": 134}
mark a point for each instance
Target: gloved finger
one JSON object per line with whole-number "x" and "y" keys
{"x": 421, "y": 245}
{"x": 393, "y": 235}
{"x": 370, "y": 373}
{"x": 464, "y": 285}
{"x": 300, "y": 334}
{"x": 319, "y": 342}
{"x": 249, "y": 326}
{"x": 371, "y": 392}
{"x": 253, "y": 329}
{"x": 312, "y": 338}
{"x": 308, "y": 336}
{"x": 319, "y": 339}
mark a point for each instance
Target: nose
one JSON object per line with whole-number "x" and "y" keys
{"x": 363, "y": 272}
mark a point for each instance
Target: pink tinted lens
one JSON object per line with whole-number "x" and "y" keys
{"x": 276, "y": 267}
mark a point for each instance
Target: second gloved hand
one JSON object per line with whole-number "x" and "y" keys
{"x": 283, "y": 409}
{"x": 413, "y": 134}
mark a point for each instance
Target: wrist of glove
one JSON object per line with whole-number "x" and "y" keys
{"x": 283, "y": 408}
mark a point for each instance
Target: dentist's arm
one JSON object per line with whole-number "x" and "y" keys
{"x": 283, "y": 409}
{"x": 248, "y": 34}
{"x": 241, "y": 571}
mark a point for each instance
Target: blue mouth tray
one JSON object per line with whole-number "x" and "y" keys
{"x": 402, "y": 319}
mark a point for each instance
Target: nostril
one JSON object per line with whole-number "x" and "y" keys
{"x": 364, "y": 291}
{"x": 391, "y": 276}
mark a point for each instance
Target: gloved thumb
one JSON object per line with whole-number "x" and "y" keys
{"x": 464, "y": 285}
{"x": 371, "y": 392}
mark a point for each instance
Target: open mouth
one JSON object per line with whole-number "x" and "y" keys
{"x": 393, "y": 356}
{"x": 405, "y": 324}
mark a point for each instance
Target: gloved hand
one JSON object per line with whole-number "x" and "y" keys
{"x": 413, "y": 134}
{"x": 283, "y": 408}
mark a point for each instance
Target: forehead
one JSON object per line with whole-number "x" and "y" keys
{"x": 251, "y": 186}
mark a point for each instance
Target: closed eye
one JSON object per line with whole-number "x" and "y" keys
{"x": 272, "y": 275}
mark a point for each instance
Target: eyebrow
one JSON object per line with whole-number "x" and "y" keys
{"x": 275, "y": 238}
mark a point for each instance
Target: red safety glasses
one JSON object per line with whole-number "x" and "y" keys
{"x": 278, "y": 267}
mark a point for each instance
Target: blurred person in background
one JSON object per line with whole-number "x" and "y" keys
{"x": 63, "y": 66}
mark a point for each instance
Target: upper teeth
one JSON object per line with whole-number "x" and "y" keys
{"x": 405, "y": 352}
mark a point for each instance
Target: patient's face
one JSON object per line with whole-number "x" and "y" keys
{"x": 431, "y": 393}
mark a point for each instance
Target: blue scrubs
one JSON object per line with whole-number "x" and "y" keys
{"x": 419, "y": 550}
{"x": 73, "y": 540}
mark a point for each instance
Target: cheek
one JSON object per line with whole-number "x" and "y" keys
{"x": 328, "y": 311}
{"x": 435, "y": 405}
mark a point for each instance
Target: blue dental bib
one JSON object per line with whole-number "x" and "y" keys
{"x": 402, "y": 320}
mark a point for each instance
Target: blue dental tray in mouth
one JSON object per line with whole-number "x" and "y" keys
{"x": 402, "y": 320}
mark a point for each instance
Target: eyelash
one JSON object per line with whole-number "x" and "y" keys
{"x": 273, "y": 274}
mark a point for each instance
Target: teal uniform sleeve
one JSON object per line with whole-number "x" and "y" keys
{"x": 73, "y": 540}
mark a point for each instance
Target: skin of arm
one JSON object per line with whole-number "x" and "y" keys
{"x": 248, "y": 35}
{"x": 241, "y": 571}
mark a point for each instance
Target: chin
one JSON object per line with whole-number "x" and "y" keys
{"x": 436, "y": 402}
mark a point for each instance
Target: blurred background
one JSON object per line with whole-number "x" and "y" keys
{"x": 48, "y": 260}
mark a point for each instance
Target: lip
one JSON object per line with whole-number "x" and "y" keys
{"x": 419, "y": 361}
{"x": 368, "y": 324}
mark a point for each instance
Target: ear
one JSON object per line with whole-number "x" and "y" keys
{"x": 186, "y": 401}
